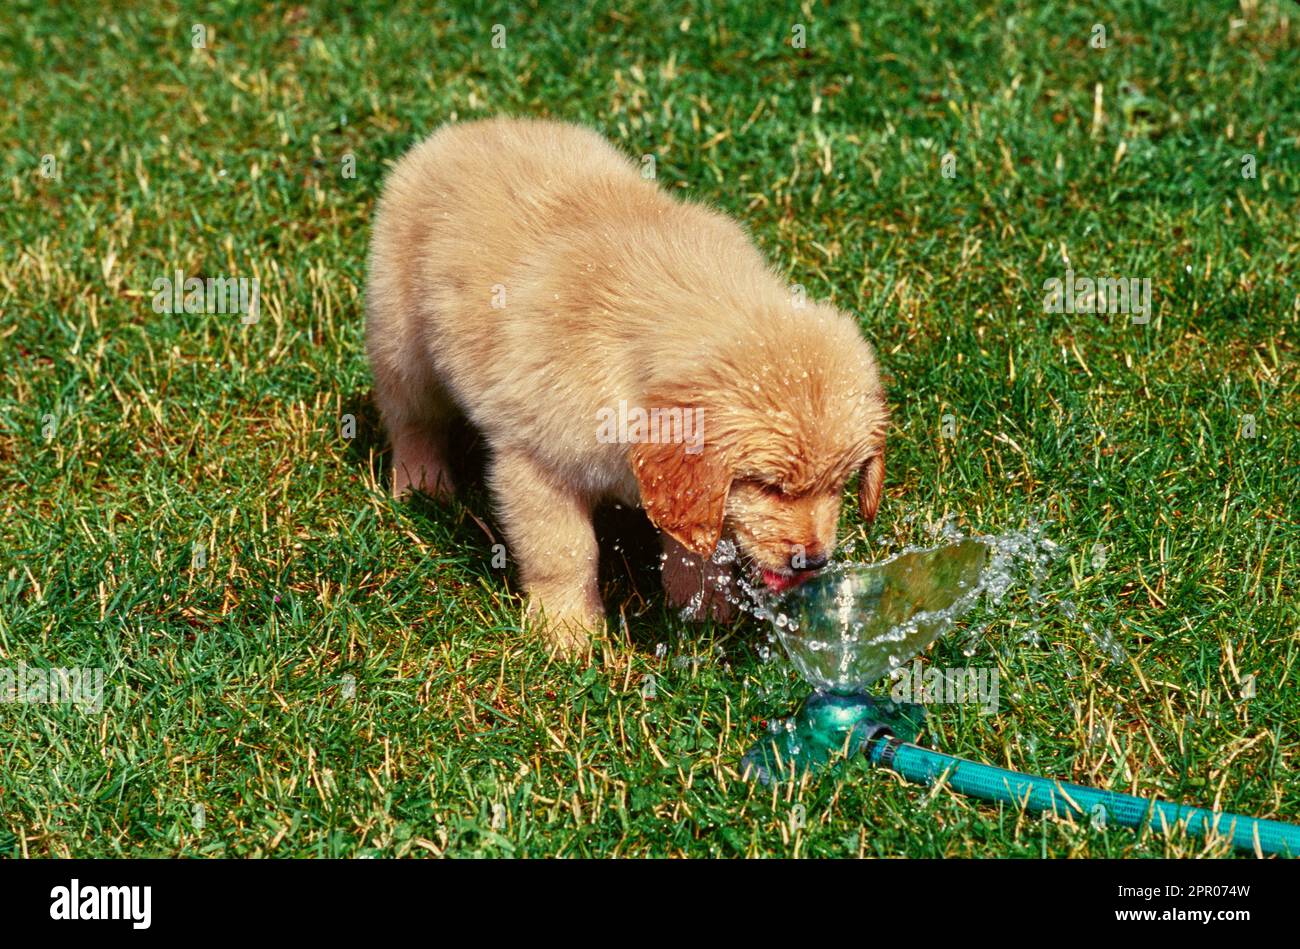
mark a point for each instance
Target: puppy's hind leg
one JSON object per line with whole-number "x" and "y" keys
{"x": 418, "y": 415}
{"x": 549, "y": 530}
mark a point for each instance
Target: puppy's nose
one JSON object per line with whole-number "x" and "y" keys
{"x": 808, "y": 562}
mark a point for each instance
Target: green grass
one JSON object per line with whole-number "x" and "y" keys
{"x": 228, "y": 683}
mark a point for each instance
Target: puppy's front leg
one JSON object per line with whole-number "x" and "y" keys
{"x": 552, "y": 540}
{"x": 697, "y": 584}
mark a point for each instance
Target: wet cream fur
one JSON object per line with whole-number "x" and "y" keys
{"x": 525, "y": 275}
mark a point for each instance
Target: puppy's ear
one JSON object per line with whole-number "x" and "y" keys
{"x": 871, "y": 481}
{"x": 684, "y": 494}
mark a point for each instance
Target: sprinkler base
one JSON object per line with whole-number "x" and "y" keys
{"x": 826, "y": 727}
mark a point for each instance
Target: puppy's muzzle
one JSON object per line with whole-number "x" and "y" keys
{"x": 805, "y": 564}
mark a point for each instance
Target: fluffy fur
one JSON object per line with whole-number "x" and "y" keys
{"x": 524, "y": 274}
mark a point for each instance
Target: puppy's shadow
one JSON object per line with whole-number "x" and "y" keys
{"x": 629, "y": 543}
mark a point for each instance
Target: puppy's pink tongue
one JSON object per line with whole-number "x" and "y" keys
{"x": 780, "y": 582}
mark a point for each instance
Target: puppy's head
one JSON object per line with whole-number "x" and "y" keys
{"x": 787, "y": 418}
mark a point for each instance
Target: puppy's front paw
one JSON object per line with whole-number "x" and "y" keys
{"x": 568, "y": 631}
{"x": 715, "y": 600}
{"x": 701, "y": 588}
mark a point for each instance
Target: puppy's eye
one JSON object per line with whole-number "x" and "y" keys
{"x": 771, "y": 490}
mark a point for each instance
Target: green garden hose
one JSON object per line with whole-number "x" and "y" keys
{"x": 1072, "y": 800}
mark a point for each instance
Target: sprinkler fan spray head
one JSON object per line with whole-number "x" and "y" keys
{"x": 849, "y": 626}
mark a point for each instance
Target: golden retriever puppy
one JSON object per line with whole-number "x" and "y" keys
{"x": 611, "y": 343}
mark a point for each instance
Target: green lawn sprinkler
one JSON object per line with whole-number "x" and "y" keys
{"x": 853, "y": 624}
